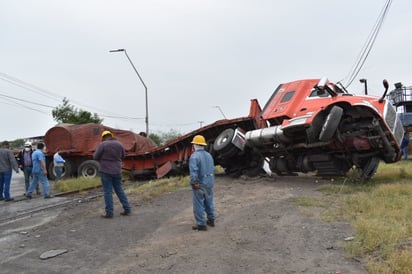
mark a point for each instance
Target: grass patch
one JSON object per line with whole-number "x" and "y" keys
{"x": 76, "y": 184}
{"x": 309, "y": 201}
{"x": 393, "y": 172}
{"x": 380, "y": 212}
{"x": 382, "y": 219}
{"x": 147, "y": 190}
{"x": 155, "y": 188}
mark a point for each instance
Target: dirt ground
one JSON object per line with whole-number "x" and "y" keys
{"x": 258, "y": 230}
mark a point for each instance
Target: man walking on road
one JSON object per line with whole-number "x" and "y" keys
{"x": 7, "y": 163}
{"x": 110, "y": 154}
{"x": 39, "y": 172}
{"x": 202, "y": 180}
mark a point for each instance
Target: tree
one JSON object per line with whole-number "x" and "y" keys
{"x": 155, "y": 138}
{"x": 171, "y": 135}
{"x": 18, "y": 143}
{"x": 162, "y": 138}
{"x": 67, "y": 113}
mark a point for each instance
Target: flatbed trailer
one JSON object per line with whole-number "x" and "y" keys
{"x": 77, "y": 143}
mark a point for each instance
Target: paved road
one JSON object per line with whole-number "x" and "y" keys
{"x": 21, "y": 204}
{"x": 17, "y": 185}
{"x": 13, "y": 214}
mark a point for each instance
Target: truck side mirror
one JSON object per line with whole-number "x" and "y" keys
{"x": 386, "y": 86}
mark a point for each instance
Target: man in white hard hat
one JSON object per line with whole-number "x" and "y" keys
{"x": 202, "y": 180}
{"x": 26, "y": 165}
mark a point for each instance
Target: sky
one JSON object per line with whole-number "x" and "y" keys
{"x": 201, "y": 61}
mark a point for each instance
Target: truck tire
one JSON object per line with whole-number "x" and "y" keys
{"x": 88, "y": 169}
{"x": 67, "y": 170}
{"x": 331, "y": 124}
{"x": 223, "y": 143}
{"x": 368, "y": 168}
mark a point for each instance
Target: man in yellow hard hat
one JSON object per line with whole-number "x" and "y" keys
{"x": 202, "y": 180}
{"x": 110, "y": 154}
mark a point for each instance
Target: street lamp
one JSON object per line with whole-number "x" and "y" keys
{"x": 365, "y": 83}
{"x": 218, "y": 107}
{"x": 145, "y": 87}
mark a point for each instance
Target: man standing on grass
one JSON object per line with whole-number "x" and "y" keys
{"x": 110, "y": 154}
{"x": 202, "y": 180}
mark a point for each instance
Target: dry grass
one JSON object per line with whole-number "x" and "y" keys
{"x": 380, "y": 212}
{"x": 382, "y": 220}
{"x": 155, "y": 188}
{"x": 76, "y": 184}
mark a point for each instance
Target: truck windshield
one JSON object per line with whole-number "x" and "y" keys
{"x": 287, "y": 96}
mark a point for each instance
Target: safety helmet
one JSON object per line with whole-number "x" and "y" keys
{"x": 106, "y": 132}
{"x": 199, "y": 140}
{"x": 27, "y": 144}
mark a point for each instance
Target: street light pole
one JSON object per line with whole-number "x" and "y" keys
{"x": 145, "y": 87}
{"x": 218, "y": 107}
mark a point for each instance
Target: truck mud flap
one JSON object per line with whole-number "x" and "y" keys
{"x": 167, "y": 168}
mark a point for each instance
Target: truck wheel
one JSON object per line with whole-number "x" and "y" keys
{"x": 368, "y": 168}
{"x": 223, "y": 142}
{"x": 89, "y": 169}
{"x": 209, "y": 148}
{"x": 331, "y": 124}
{"x": 67, "y": 170}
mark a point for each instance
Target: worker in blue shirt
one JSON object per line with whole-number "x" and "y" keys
{"x": 202, "y": 180}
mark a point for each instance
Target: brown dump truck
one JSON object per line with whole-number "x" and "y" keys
{"x": 77, "y": 143}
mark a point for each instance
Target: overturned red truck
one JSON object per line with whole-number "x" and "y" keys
{"x": 306, "y": 126}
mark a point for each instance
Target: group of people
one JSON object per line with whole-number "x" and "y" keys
{"x": 33, "y": 164}
{"x": 110, "y": 154}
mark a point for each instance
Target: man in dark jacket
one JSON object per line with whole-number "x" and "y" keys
{"x": 7, "y": 164}
{"x": 26, "y": 165}
{"x": 110, "y": 154}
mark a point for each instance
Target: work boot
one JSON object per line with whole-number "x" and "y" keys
{"x": 106, "y": 216}
{"x": 199, "y": 227}
{"x": 126, "y": 213}
{"x": 211, "y": 223}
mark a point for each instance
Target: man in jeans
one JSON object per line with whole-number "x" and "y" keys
{"x": 39, "y": 172}
{"x": 7, "y": 164}
{"x": 110, "y": 154}
{"x": 202, "y": 180}
{"x": 25, "y": 164}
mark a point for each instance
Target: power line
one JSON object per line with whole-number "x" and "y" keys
{"x": 26, "y": 101}
{"x": 368, "y": 45}
{"x": 27, "y": 86}
{"x": 14, "y": 103}
{"x": 40, "y": 91}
